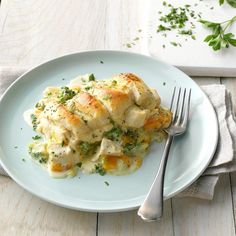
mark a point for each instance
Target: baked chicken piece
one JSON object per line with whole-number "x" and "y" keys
{"x": 103, "y": 126}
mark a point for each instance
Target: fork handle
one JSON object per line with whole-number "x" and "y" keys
{"x": 152, "y": 207}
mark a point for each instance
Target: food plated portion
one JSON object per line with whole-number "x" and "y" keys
{"x": 103, "y": 126}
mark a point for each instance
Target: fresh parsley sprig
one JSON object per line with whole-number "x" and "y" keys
{"x": 219, "y": 37}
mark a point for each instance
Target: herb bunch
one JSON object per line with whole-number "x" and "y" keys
{"x": 219, "y": 38}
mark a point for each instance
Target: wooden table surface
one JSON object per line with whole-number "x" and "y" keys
{"x": 32, "y": 31}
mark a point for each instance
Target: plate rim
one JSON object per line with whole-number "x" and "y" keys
{"x": 114, "y": 209}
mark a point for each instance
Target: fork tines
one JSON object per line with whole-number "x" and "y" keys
{"x": 180, "y": 104}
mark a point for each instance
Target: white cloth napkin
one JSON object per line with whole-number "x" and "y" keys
{"x": 224, "y": 160}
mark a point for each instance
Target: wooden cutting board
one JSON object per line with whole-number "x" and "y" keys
{"x": 194, "y": 57}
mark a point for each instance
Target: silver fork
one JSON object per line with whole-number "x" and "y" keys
{"x": 152, "y": 207}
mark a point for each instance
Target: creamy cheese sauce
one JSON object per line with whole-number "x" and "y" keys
{"x": 96, "y": 126}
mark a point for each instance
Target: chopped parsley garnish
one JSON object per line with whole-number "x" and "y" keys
{"x": 39, "y": 156}
{"x": 40, "y": 106}
{"x": 23, "y": 159}
{"x": 84, "y": 147}
{"x": 79, "y": 164}
{"x": 131, "y": 133}
{"x": 99, "y": 169}
{"x": 34, "y": 121}
{"x": 177, "y": 19}
{"x": 162, "y": 28}
{"x": 43, "y": 160}
{"x": 128, "y": 45}
{"x": 174, "y": 44}
{"x": 87, "y": 88}
{"x": 36, "y": 137}
{"x": 106, "y": 183}
{"x": 62, "y": 143}
{"x": 66, "y": 94}
{"x": 91, "y": 77}
{"x": 113, "y": 134}
{"x": 186, "y": 32}
{"x": 114, "y": 82}
{"x": 101, "y": 62}
{"x": 87, "y": 148}
{"x": 16, "y": 147}
{"x": 131, "y": 148}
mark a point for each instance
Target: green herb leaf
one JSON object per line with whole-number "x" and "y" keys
{"x": 232, "y": 42}
{"x": 218, "y": 39}
{"x": 209, "y": 37}
{"x": 174, "y": 44}
{"x": 209, "y": 24}
{"x": 114, "y": 82}
{"x": 232, "y": 3}
{"x": 39, "y": 156}
{"x": 34, "y": 121}
{"x": 113, "y": 134}
{"x": 224, "y": 43}
{"x": 63, "y": 143}
{"x": 186, "y": 32}
{"x": 36, "y": 137}
{"x": 40, "y": 106}
{"x": 162, "y": 28}
{"x": 221, "y": 2}
{"x": 66, "y": 94}
{"x": 131, "y": 148}
{"x": 92, "y": 77}
{"x": 87, "y": 148}
{"x": 229, "y": 36}
{"x": 87, "y": 88}
{"x": 99, "y": 169}
{"x": 217, "y": 45}
{"x": 79, "y": 164}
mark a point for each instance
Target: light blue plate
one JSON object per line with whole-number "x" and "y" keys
{"x": 190, "y": 154}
